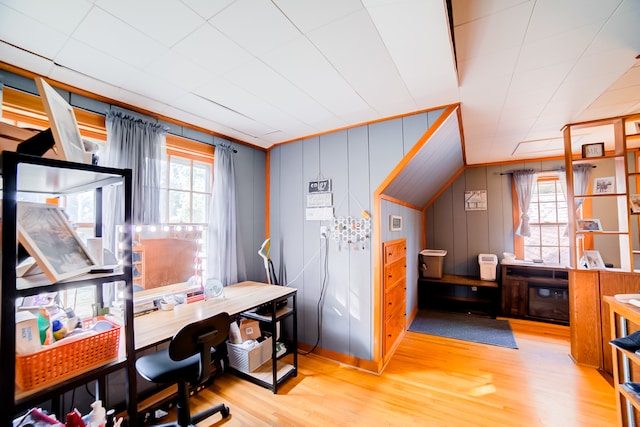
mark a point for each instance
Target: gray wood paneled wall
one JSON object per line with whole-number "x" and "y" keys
{"x": 466, "y": 234}
{"x": 335, "y": 280}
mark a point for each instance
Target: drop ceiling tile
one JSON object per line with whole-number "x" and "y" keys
{"x": 151, "y": 86}
{"x": 302, "y": 64}
{"x": 106, "y": 33}
{"x": 307, "y": 16}
{"x": 263, "y": 82}
{"x": 621, "y": 30}
{"x": 354, "y": 47}
{"x": 493, "y": 33}
{"x": 24, "y": 59}
{"x": 470, "y": 10}
{"x": 166, "y": 21}
{"x": 177, "y": 70}
{"x": 63, "y": 15}
{"x": 256, "y": 25}
{"x": 102, "y": 67}
{"x": 29, "y": 34}
{"x": 212, "y": 50}
{"x": 207, "y": 9}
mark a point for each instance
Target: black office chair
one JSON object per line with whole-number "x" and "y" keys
{"x": 187, "y": 362}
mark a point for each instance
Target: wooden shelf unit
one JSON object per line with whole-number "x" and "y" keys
{"x": 624, "y": 319}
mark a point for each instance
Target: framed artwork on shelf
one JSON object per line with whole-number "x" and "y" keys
{"x": 64, "y": 127}
{"x": 604, "y": 185}
{"x": 591, "y": 260}
{"x": 46, "y": 233}
{"x": 587, "y": 225}
{"x": 634, "y": 203}
{"x": 593, "y": 150}
{"x": 395, "y": 223}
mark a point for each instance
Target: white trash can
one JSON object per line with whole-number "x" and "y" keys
{"x": 488, "y": 266}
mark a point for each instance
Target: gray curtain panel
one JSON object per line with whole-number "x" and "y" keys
{"x": 524, "y": 180}
{"x": 137, "y": 145}
{"x": 225, "y": 258}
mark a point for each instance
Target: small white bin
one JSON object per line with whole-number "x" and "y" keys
{"x": 248, "y": 360}
{"x": 430, "y": 263}
{"x": 488, "y": 266}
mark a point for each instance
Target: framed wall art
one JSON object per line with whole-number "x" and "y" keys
{"x": 395, "y": 223}
{"x": 46, "y": 233}
{"x": 588, "y": 225}
{"x": 604, "y": 185}
{"x": 475, "y": 200}
{"x": 64, "y": 127}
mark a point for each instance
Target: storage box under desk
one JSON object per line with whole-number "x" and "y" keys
{"x": 248, "y": 360}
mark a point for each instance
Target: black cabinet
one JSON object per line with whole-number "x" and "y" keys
{"x": 535, "y": 292}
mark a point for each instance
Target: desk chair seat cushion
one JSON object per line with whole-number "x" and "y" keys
{"x": 159, "y": 368}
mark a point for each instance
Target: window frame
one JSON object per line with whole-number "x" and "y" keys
{"x": 519, "y": 241}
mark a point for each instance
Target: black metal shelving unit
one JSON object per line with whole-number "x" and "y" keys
{"x": 279, "y": 371}
{"x": 25, "y": 173}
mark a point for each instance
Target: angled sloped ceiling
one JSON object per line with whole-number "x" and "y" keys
{"x": 431, "y": 164}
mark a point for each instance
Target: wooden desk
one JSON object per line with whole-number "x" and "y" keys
{"x": 153, "y": 328}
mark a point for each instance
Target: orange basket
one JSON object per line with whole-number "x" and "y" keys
{"x": 63, "y": 361}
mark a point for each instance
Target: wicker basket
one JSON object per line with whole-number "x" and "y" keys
{"x": 63, "y": 361}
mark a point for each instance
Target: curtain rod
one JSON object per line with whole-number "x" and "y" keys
{"x": 544, "y": 170}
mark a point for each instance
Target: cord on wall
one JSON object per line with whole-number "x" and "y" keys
{"x": 321, "y": 298}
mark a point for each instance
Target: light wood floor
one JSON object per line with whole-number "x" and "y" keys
{"x": 432, "y": 381}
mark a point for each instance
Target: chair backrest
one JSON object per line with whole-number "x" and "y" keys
{"x": 199, "y": 338}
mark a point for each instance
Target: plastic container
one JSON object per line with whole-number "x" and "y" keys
{"x": 488, "y": 264}
{"x": 430, "y": 263}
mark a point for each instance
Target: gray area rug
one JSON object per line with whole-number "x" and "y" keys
{"x": 464, "y": 327}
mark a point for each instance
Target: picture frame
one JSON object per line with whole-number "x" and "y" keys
{"x": 45, "y": 232}
{"x": 634, "y": 203}
{"x": 591, "y": 260}
{"x": 604, "y": 185}
{"x": 475, "y": 200}
{"x": 395, "y": 223}
{"x": 595, "y": 149}
{"x": 587, "y": 225}
{"x": 64, "y": 127}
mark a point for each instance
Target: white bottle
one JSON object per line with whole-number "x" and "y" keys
{"x": 98, "y": 415}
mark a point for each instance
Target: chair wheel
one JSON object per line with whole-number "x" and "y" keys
{"x": 225, "y": 411}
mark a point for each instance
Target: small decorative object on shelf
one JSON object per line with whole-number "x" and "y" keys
{"x": 588, "y": 225}
{"x": 634, "y": 203}
{"x": 593, "y": 150}
{"x": 591, "y": 260}
{"x": 604, "y": 185}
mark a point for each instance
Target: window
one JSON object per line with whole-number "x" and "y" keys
{"x": 185, "y": 188}
{"x": 548, "y": 222}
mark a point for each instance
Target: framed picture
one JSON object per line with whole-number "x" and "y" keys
{"x": 589, "y": 224}
{"x": 475, "y": 200}
{"x": 46, "y": 233}
{"x": 593, "y": 150}
{"x": 395, "y": 223}
{"x": 64, "y": 127}
{"x": 634, "y": 203}
{"x": 604, "y": 185}
{"x": 591, "y": 260}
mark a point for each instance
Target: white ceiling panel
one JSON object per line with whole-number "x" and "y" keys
{"x": 166, "y": 21}
{"x": 62, "y": 15}
{"x": 212, "y": 50}
{"x": 299, "y": 61}
{"x": 207, "y": 9}
{"x": 258, "y": 26}
{"x": 268, "y": 71}
{"x": 111, "y": 35}
{"x": 29, "y": 34}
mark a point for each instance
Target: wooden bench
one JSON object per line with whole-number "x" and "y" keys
{"x": 459, "y": 293}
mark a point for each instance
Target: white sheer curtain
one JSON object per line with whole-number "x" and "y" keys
{"x": 137, "y": 145}
{"x": 524, "y": 180}
{"x": 225, "y": 259}
{"x": 581, "y": 176}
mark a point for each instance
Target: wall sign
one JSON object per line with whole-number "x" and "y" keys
{"x": 475, "y": 200}
{"x": 320, "y": 186}
{"x": 593, "y": 150}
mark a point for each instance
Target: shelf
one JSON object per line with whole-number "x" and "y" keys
{"x": 581, "y": 196}
{"x": 264, "y": 374}
{"x": 33, "y": 283}
{"x": 280, "y": 314}
{"x": 630, "y": 395}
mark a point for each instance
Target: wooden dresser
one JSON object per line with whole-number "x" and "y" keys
{"x": 395, "y": 291}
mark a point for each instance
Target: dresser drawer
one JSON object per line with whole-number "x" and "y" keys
{"x": 394, "y": 272}
{"x": 392, "y": 330}
{"x": 394, "y": 252}
{"x": 394, "y": 300}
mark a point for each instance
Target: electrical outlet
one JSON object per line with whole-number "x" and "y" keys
{"x": 324, "y": 232}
